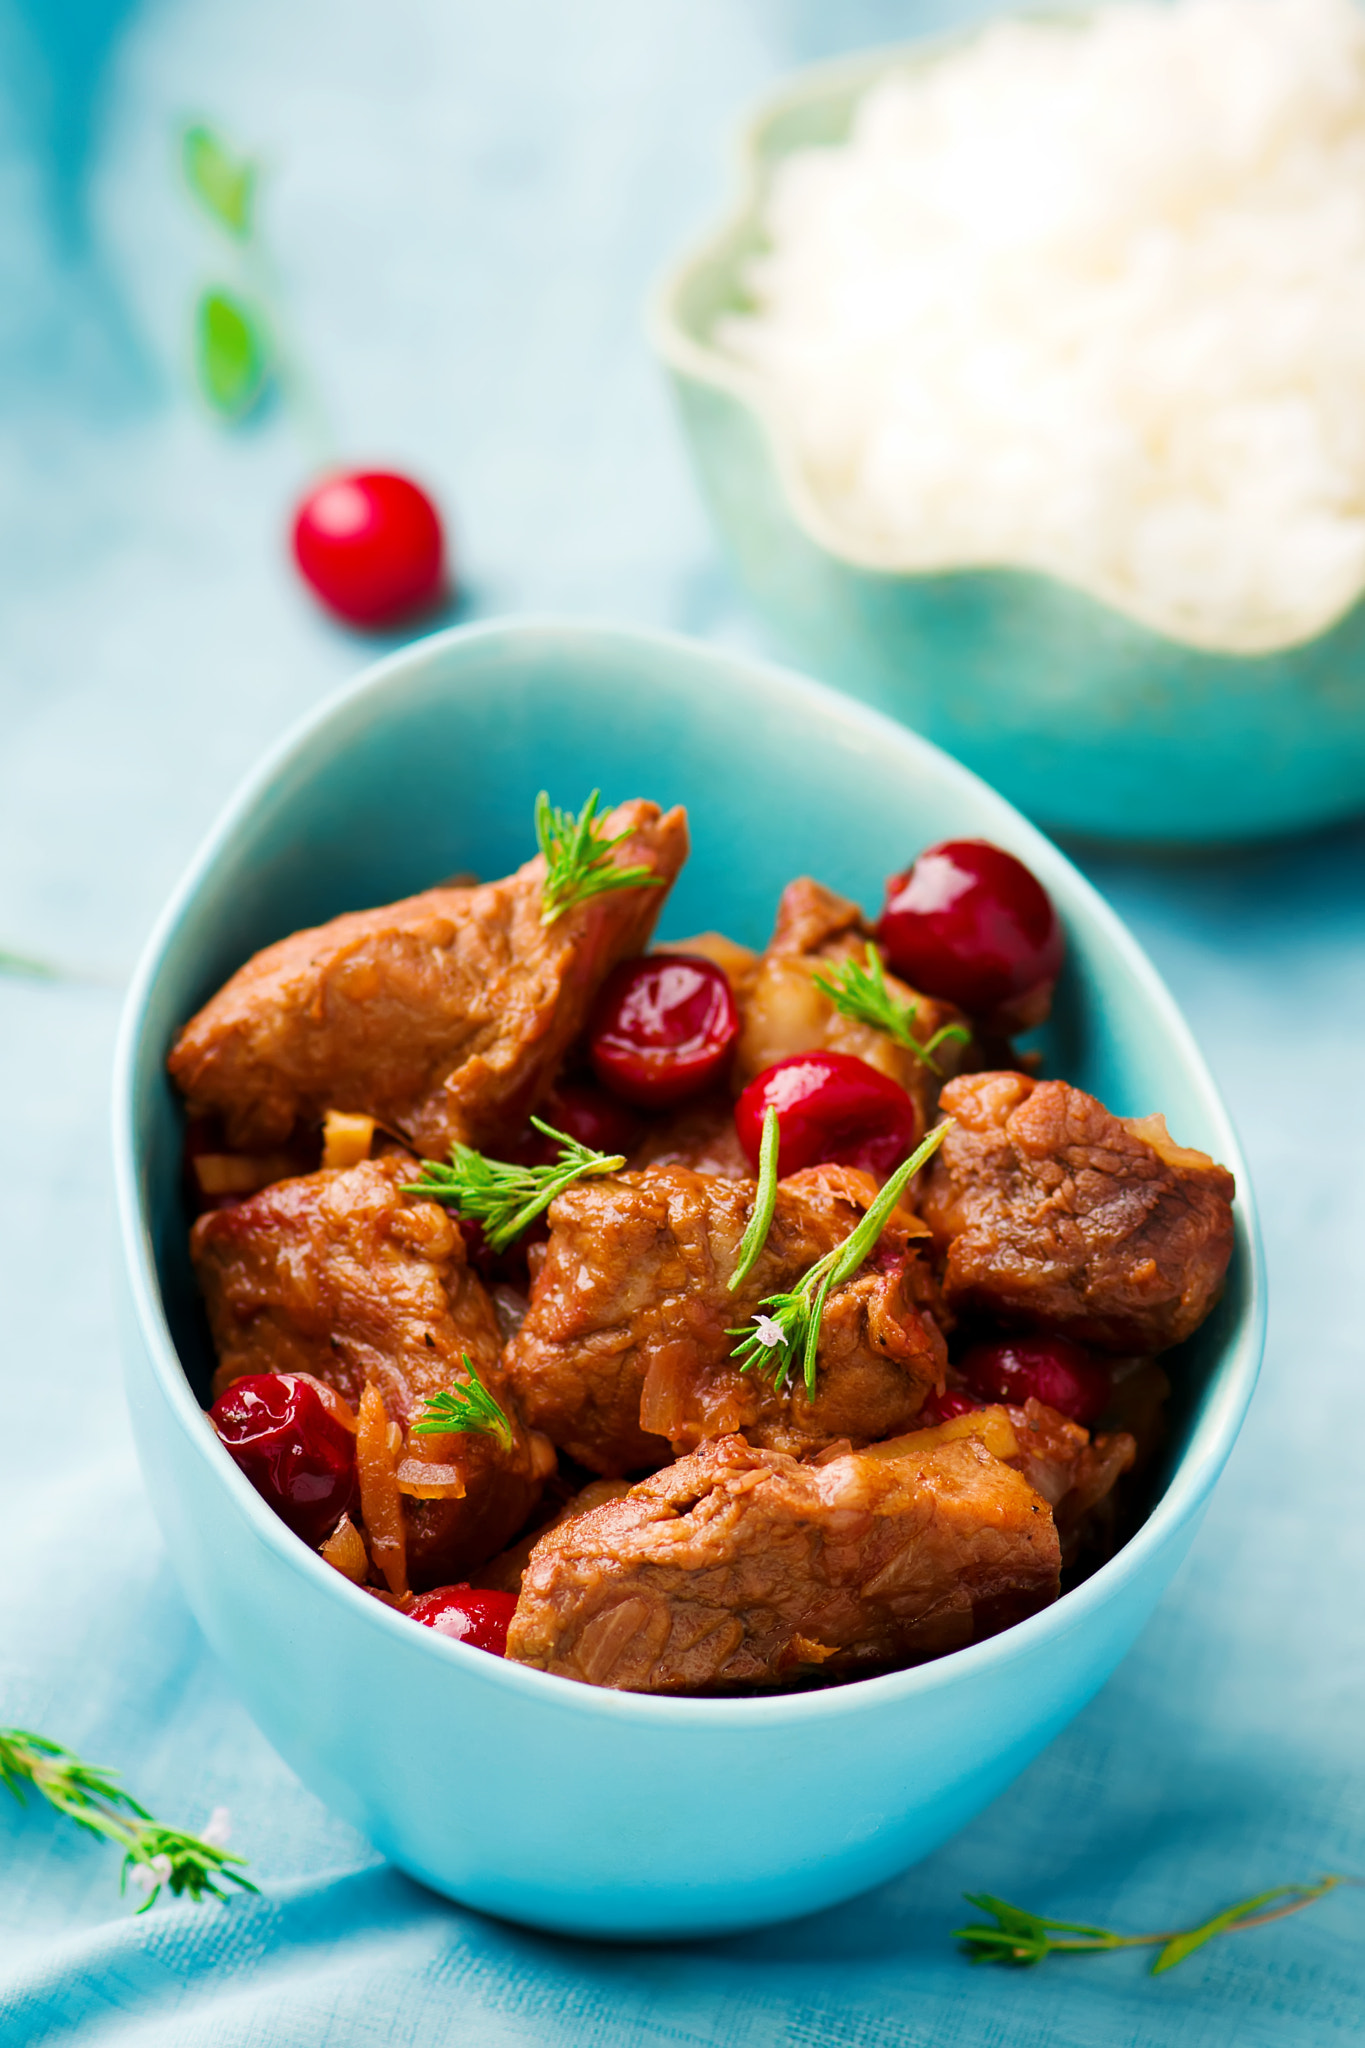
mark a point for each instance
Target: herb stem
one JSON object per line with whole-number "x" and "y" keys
{"x": 578, "y": 863}
{"x": 152, "y": 1855}
{"x": 765, "y": 1201}
{"x": 773, "y": 1341}
{"x": 470, "y": 1408}
{"x": 861, "y": 994}
{"x": 503, "y": 1197}
{"x": 1022, "y": 1939}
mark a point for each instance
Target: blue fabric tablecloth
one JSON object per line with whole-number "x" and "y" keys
{"x": 467, "y": 204}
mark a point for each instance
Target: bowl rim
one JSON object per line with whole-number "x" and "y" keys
{"x": 681, "y": 352}
{"x": 1193, "y": 1477}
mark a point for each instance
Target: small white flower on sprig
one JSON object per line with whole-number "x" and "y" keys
{"x": 193, "y": 1866}
{"x": 217, "y": 1831}
{"x": 149, "y": 1877}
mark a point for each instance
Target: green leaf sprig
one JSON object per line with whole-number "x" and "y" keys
{"x": 29, "y": 966}
{"x": 862, "y": 994}
{"x": 242, "y": 352}
{"x": 791, "y": 1328}
{"x": 469, "y": 1407}
{"x": 1021, "y": 1939}
{"x": 225, "y": 185}
{"x": 765, "y": 1201}
{"x": 234, "y": 355}
{"x": 578, "y": 858}
{"x": 505, "y": 1197}
{"x": 232, "y": 352}
{"x": 153, "y": 1856}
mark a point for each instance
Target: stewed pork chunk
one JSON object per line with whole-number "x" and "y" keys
{"x": 740, "y": 1566}
{"x": 341, "y": 1275}
{"x": 784, "y": 1012}
{"x": 1053, "y": 1214}
{"x": 701, "y": 1135}
{"x": 1074, "y": 1472}
{"x": 444, "y": 1016}
{"x": 624, "y": 1355}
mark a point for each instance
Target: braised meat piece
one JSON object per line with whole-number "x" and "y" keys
{"x": 624, "y": 1355}
{"x": 444, "y": 1016}
{"x": 698, "y": 1134}
{"x": 341, "y": 1275}
{"x": 1074, "y": 1472}
{"x": 504, "y": 1572}
{"x": 740, "y": 1566}
{"x": 784, "y": 1012}
{"x": 1053, "y": 1214}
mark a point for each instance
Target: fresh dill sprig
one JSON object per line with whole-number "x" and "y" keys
{"x": 773, "y": 1341}
{"x": 1023, "y": 1939}
{"x": 765, "y": 1200}
{"x": 578, "y": 858}
{"x": 862, "y": 994}
{"x": 504, "y": 1197}
{"x": 152, "y": 1855}
{"x": 469, "y": 1407}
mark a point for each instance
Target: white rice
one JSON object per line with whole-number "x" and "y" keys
{"x": 1091, "y": 299}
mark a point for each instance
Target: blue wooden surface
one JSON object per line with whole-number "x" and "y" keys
{"x": 467, "y": 204}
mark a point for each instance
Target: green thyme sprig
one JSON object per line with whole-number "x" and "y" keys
{"x": 773, "y": 1341}
{"x": 578, "y": 858}
{"x": 862, "y": 994}
{"x": 765, "y": 1201}
{"x": 505, "y": 1197}
{"x": 1022, "y": 1939}
{"x": 470, "y": 1407}
{"x": 196, "y": 1865}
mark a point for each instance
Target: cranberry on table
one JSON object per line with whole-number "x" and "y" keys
{"x": 832, "y": 1108}
{"x": 297, "y": 1455}
{"x": 475, "y": 1615}
{"x": 664, "y": 1028}
{"x": 1054, "y": 1370}
{"x": 371, "y": 546}
{"x": 968, "y": 922}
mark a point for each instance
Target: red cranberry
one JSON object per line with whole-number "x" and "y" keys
{"x": 371, "y": 546}
{"x": 968, "y": 922}
{"x": 586, "y": 1112}
{"x": 831, "y": 1107}
{"x": 664, "y": 1028}
{"x": 1050, "y": 1369}
{"x": 467, "y": 1614}
{"x": 943, "y": 1407}
{"x": 296, "y": 1454}
{"x": 510, "y": 1265}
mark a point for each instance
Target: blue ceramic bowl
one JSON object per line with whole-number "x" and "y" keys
{"x": 526, "y": 1795}
{"x": 1090, "y": 717}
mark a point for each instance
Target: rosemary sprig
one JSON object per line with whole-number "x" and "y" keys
{"x": 773, "y": 1341}
{"x": 578, "y": 858}
{"x": 1022, "y": 1939}
{"x": 504, "y": 1197}
{"x": 152, "y": 1855}
{"x": 765, "y": 1200}
{"x": 469, "y": 1407}
{"x": 862, "y": 994}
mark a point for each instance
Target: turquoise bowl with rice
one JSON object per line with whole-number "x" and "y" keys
{"x": 1092, "y": 720}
